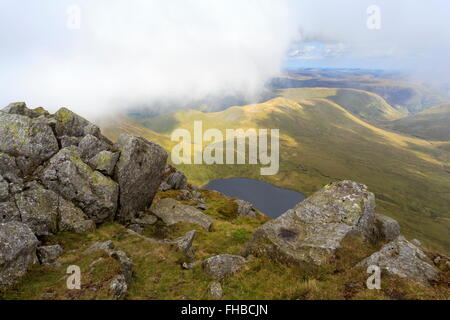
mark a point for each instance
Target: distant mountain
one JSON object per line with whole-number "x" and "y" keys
{"x": 401, "y": 95}
{"x": 366, "y": 105}
{"x": 431, "y": 124}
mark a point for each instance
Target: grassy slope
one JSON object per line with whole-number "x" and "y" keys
{"x": 432, "y": 124}
{"x": 323, "y": 142}
{"x": 158, "y": 273}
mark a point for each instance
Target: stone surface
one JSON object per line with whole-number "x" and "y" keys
{"x": 223, "y": 265}
{"x": 416, "y": 242}
{"x": 90, "y": 190}
{"x": 9, "y": 212}
{"x": 402, "y": 258}
{"x": 17, "y": 251}
{"x": 38, "y": 208}
{"x": 20, "y": 108}
{"x": 105, "y": 162}
{"x": 118, "y": 287}
{"x": 173, "y": 179}
{"x": 170, "y": 211}
{"x": 29, "y": 140}
{"x": 184, "y": 243}
{"x": 215, "y": 290}
{"x": 388, "y": 229}
{"x": 49, "y": 254}
{"x": 72, "y": 125}
{"x": 90, "y": 146}
{"x": 73, "y": 219}
{"x": 312, "y": 231}
{"x": 138, "y": 173}
{"x": 245, "y": 209}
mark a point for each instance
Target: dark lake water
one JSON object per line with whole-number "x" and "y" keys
{"x": 267, "y": 198}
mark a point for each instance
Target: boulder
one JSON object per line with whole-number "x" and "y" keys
{"x": 70, "y": 124}
{"x": 118, "y": 287}
{"x": 311, "y": 232}
{"x": 17, "y": 251}
{"x": 105, "y": 162}
{"x": 49, "y": 254}
{"x": 4, "y": 189}
{"x": 173, "y": 179}
{"x": 38, "y": 209}
{"x": 30, "y": 141}
{"x": 73, "y": 219}
{"x": 245, "y": 209}
{"x": 388, "y": 229}
{"x": 90, "y": 146}
{"x": 402, "y": 258}
{"x": 8, "y": 164}
{"x": 67, "y": 141}
{"x": 89, "y": 190}
{"x": 184, "y": 243}
{"x": 215, "y": 290}
{"x": 170, "y": 211}
{"x": 223, "y": 265}
{"x": 138, "y": 173}
{"x": 20, "y": 108}
{"x": 9, "y": 212}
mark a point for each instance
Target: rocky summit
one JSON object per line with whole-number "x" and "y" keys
{"x": 136, "y": 228}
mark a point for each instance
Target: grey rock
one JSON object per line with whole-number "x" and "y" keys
{"x": 67, "y": 141}
{"x": 202, "y": 207}
{"x": 139, "y": 174}
{"x": 72, "y": 125}
{"x": 311, "y": 232}
{"x": 245, "y": 209}
{"x": 119, "y": 287}
{"x": 136, "y": 228}
{"x": 38, "y": 208}
{"x": 145, "y": 220}
{"x": 170, "y": 211}
{"x": 105, "y": 162}
{"x": 90, "y": 145}
{"x": 402, "y": 258}
{"x": 49, "y": 254}
{"x": 73, "y": 219}
{"x": 125, "y": 263}
{"x": 191, "y": 195}
{"x": 184, "y": 243}
{"x": 17, "y": 251}
{"x": 8, "y": 164}
{"x": 215, "y": 290}
{"x": 221, "y": 266}
{"x": 20, "y": 108}
{"x": 388, "y": 229}
{"x": 106, "y": 246}
{"x": 30, "y": 141}
{"x": 416, "y": 242}
{"x": 174, "y": 179}
{"x": 9, "y": 212}
{"x": 4, "y": 189}
{"x": 90, "y": 190}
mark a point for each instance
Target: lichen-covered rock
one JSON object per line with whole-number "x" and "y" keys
{"x": 9, "y": 212}
{"x": 21, "y": 109}
{"x": 245, "y": 209}
{"x": 170, "y": 211}
{"x": 312, "y": 231}
{"x": 173, "y": 179}
{"x": 89, "y": 146}
{"x": 73, "y": 219}
{"x": 39, "y": 209}
{"x": 4, "y": 189}
{"x": 90, "y": 190}
{"x": 215, "y": 290}
{"x": 67, "y": 141}
{"x": 105, "y": 162}
{"x": 139, "y": 174}
{"x": 72, "y": 125}
{"x": 29, "y": 140}
{"x": 223, "y": 265}
{"x": 118, "y": 287}
{"x": 49, "y": 254}
{"x": 17, "y": 251}
{"x": 402, "y": 258}
{"x": 388, "y": 229}
{"x": 184, "y": 243}
{"x": 8, "y": 164}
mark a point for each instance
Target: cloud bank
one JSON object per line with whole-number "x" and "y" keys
{"x": 131, "y": 53}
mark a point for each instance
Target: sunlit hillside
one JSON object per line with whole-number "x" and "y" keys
{"x": 321, "y": 142}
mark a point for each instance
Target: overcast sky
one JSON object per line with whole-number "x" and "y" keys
{"x": 133, "y": 52}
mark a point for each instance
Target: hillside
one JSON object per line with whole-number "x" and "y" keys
{"x": 323, "y": 142}
{"x": 431, "y": 124}
{"x": 366, "y": 105}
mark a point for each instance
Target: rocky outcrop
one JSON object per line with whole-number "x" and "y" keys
{"x": 170, "y": 211}
{"x": 59, "y": 173}
{"x": 17, "y": 251}
{"x": 138, "y": 173}
{"x": 49, "y": 254}
{"x": 215, "y": 290}
{"x": 402, "y": 258}
{"x": 221, "y": 266}
{"x": 184, "y": 244}
{"x": 311, "y": 232}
